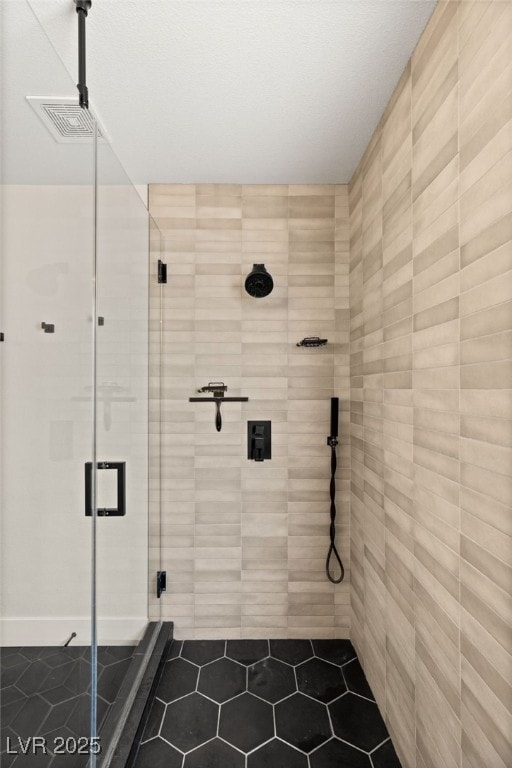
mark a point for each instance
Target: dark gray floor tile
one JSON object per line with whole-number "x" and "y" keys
{"x": 246, "y": 722}
{"x": 336, "y": 754}
{"x": 356, "y": 680}
{"x": 111, "y": 677}
{"x": 37, "y": 760}
{"x": 7, "y": 760}
{"x": 335, "y": 651}
{"x": 385, "y": 756}
{"x": 9, "y": 650}
{"x": 110, "y": 654}
{"x": 175, "y": 649}
{"x": 56, "y": 676}
{"x": 7, "y": 738}
{"x": 179, "y": 678}
{"x": 80, "y": 718}
{"x": 63, "y": 675}
{"x": 291, "y": 651}
{"x": 10, "y": 710}
{"x": 302, "y": 722}
{"x": 57, "y": 717}
{"x": 79, "y": 679}
{"x": 30, "y": 717}
{"x": 34, "y": 652}
{"x": 202, "y": 651}
{"x": 11, "y": 659}
{"x": 58, "y": 695}
{"x": 247, "y": 651}
{"x": 215, "y": 754}
{"x": 275, "y": 754}
{"x": 190, "y": 722}
{"x": 69, "y": 761}
{"x": 271, "y": 679}
{"x": 320, "y": 679}
{"x": 358, "y": 721}
{"x": 59, "y": 733}
{"x": 62, "y": 656}
{"x": 11, "y": 694}
{"x": 10, "y": 675}
{"x": 222, "y": 680}
{"x": 158, "y": 754}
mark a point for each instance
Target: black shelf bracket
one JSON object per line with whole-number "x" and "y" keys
{"x": 161, "y": 583}
{"x": 162, "y": 271}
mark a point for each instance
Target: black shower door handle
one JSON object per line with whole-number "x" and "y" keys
{"x": 120, "y": 509}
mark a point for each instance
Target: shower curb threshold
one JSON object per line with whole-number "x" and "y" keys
{"x": 129, "y": 712}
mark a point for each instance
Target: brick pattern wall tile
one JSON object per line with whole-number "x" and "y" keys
{"x": 431, "y": 404}
{"x": 244, "y": 543}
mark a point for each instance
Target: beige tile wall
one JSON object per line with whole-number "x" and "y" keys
{"x": 431, "y": 398}
{"x": 243, "y": 543}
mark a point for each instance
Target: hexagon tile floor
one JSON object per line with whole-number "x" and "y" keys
{"x": 264, "y": 704}
{"x": 44, "y": 692}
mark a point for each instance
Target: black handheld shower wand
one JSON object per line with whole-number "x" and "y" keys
{"x": 332, "y": 441}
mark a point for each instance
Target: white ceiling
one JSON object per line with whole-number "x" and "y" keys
{"x": 239, "y": 91}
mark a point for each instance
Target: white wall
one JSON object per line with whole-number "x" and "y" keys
{"x": 46, "y": 390}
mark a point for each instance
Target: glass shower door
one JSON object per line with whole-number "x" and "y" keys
{"x": 123, "y": 584}
{"x": 122, "y": 407}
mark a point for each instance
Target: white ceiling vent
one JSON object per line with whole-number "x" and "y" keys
{"x": 66, "y": 120}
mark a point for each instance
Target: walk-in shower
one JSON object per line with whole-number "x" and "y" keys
{"x": 255, "y": 440}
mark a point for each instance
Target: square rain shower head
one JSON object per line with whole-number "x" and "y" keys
{"x": 66, "y": 120}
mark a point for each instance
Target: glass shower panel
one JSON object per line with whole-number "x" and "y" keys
{"x": 123, "y": 582}
{"x": 46, "y": 395}
{"x": 157, "y": 279}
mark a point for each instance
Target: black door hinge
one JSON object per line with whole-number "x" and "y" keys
{"x": 162, "y": 271}
{"x": 2, "y": 337}
{"x": 161, "y": 582}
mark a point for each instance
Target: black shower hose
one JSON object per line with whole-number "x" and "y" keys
{"x": 333, "y": 442}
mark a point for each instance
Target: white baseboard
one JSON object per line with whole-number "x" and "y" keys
{"x": 29, "y": 630}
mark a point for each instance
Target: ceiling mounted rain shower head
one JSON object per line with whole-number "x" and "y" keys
{"x": 259, "y": 283}
{"x": 66, "y": 120}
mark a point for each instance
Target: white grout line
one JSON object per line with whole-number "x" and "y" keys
{"x": 218, "y": 721}
{"x": 380, "y": 745}
{"x": 352, "y": 745}
{"x": 252, "y": 751}
{"x": 360, "y": 696}
{"x": 330, "y": 721}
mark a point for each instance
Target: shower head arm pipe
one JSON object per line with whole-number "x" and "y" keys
{"x": 82, "y": 9}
